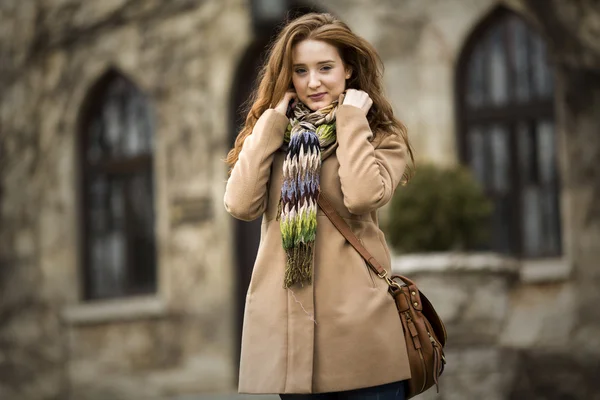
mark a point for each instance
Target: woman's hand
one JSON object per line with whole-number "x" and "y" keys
{"x": 358, "y": 99}
{"x": 285, "y": 102}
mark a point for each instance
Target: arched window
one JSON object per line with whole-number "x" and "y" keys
{"x": 119, "y": 251}
{"x": 506, "y": 133}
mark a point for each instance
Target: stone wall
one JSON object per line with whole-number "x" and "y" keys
{"x": 472, "y": 295}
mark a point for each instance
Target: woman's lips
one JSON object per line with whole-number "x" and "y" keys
{"x": 318, "y": 96}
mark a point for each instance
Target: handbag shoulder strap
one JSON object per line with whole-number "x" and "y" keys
{"x": 346, "y": 231}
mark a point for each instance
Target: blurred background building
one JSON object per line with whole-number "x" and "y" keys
{"x": 122, "y": 276}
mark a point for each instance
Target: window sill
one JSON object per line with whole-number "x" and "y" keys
{"x": 540, "y": 271}
{"x": 455, "y": 262}
{"x": 114, "y": 310}
{"x": 545, "y": 270}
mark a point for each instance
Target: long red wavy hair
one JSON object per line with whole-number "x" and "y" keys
{"x": 275, "y": 77}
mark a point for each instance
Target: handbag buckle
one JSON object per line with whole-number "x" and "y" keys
{"x": 391, "y": 283}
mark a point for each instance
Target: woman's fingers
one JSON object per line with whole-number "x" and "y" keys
{"x": 284, "y": 103}
{"x": 290, "y": 94}
{"x": 359, "y": 99}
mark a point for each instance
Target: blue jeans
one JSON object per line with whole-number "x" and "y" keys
{"x": 389, "y": 391}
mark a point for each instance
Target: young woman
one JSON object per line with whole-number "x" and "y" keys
{"x": 318, "y": 323}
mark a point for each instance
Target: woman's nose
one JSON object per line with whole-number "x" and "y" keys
{"x": 314, "y": 81}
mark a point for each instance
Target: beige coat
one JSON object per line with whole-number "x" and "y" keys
{"x": 342, "y": 332}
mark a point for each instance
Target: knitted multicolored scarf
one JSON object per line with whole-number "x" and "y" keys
{"x": 308, "y": 133}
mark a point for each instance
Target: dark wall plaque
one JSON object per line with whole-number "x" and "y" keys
{"x": 191, "y": 210}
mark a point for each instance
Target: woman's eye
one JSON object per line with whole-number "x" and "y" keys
{"x": 300, "y": 71}
{"x": 327, "y": 67}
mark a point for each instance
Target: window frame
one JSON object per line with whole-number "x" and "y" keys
{"x": 508, "y": 115}
{"x": 140, "y": 165}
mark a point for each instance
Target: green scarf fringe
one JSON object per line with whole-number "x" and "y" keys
{"x": 298, "y": 268}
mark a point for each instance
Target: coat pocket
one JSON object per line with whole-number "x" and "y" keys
{"x": 369, "y": 271}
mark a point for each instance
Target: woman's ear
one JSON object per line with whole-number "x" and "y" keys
{"x": 348, "y": 73}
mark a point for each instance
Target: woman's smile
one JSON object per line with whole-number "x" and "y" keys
{"x": 317, "y": 96}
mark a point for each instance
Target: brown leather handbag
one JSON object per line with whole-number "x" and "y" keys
{"x": 424, "y": 331}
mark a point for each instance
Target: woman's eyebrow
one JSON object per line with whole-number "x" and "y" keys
{"x": 320, "y": 62}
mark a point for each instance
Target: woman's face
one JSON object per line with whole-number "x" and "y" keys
{"x": 318, "y": 73}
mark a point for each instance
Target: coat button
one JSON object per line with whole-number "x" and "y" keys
{"x": 413, "y": 293}
{"x": 415, "y": 304}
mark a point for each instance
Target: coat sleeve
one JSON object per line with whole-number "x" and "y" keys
{"x": 369, "y": 175}
{"x": 246, "y": 190}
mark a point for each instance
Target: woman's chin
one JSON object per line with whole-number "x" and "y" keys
{"x": 317, "y": 105}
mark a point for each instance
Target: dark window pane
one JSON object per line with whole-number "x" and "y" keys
{"x": 106, "y": 237}
{"x": 476, "y": 82}
{"x": 532, "y": 221}
{"x": 527, "y": 153}
{"x": 500, "y": 158}
{"x": 96, "y": 146}
{"x": 519, "y": 34}
{"x": 137, "y": 124}
{"x": 477, "y": 150}
{"x": 141, "y": 228}
{"x": 541, "y": 223}
{"x": 547, "y": 152}
{"x": 542, "y": 76}
{"x": 551, "y": 218}
{"x": 497, "y": 63}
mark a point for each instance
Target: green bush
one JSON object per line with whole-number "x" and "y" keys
{"x": 440, "y": 209}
